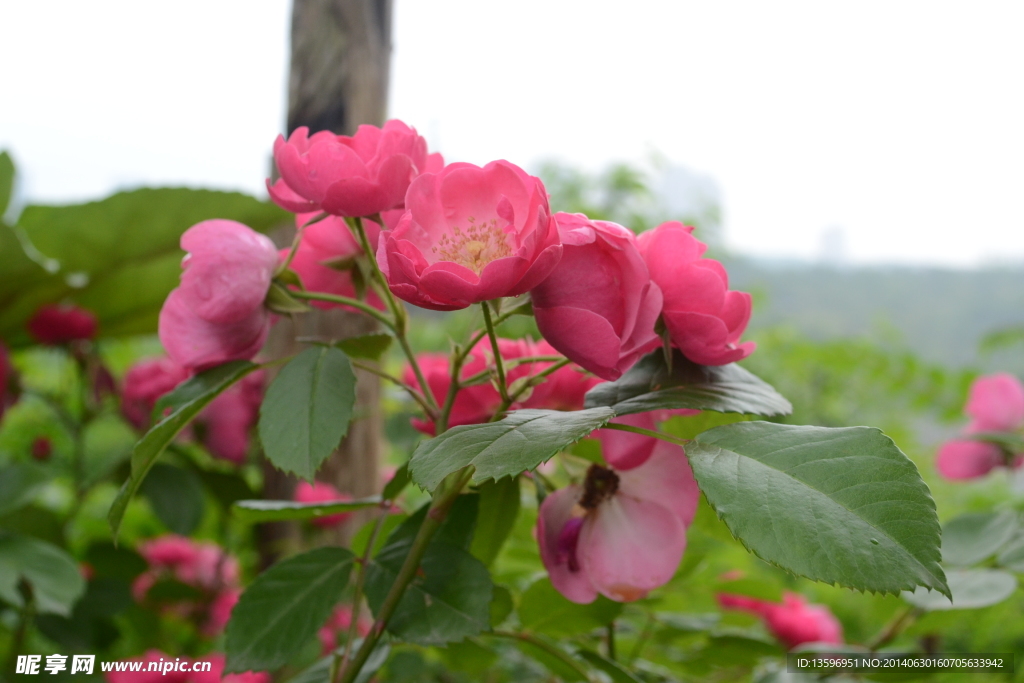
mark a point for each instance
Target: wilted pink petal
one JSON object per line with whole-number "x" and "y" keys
{"x": 559, "y": 509}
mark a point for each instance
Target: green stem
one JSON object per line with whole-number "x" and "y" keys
{"x": 345, "y": 301}
{"x": 416, "y": 395}
{"x": 25, "y": 616}
{"x": 357, "y": 595}
{"x": 453, "y": 389}
{"x": 610, "y": 641}
{"x": 547, "y": 647}
{"x": 645, "y": 633}
{"x": 397, "y": 310}
{"x": 499, "y": 364}
{"x": 444, "y": 498}
{"x": 647, "y": 432}
{"x": 295, "y": 243}
{"x": 894, "y": 628}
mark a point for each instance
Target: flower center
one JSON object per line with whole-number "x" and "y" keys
{"x": 601, "y": 483}
{"x": 474, "y": 248}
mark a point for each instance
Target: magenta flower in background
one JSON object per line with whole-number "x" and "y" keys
{"x": 61, "y": 323}
{"x": 361, "y": 175}
{"x": 704, "y": 318}
{"x": 230, "y": 417}
{"x": 598, "y": 307}
{"x": 325, "y": 258}
{"x": 794, "y": 621}
{"x": 338, "y": 624}
{"x": 564, "y": 389}
{"x": 144, "y": 383}
{"x": 470, "y": 234}
{"x": 322, "y": 492}
{"x": 622, "y": 532}
{"x": 217, "y": 315}
{"x": 995, "y": 404}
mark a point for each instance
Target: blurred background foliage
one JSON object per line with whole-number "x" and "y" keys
{"x": 894, "y": 348}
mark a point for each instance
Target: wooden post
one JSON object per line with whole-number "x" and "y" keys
{"x": 340, "y": 61}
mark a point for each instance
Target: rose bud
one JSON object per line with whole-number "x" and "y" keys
{"x": 60, "y": 324}
{"x": 217, "y": 315}
{"x": 470, "y": 234}
{"x": 598, "y": 307}
{"x": 996, "y": 404}
{"x": 704, "y": 319}
{"x": 360, "y": 175}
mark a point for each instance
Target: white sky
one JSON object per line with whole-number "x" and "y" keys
{"x": 900, "y": 122}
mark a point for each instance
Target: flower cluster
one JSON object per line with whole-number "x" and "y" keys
{"x": 995, "y": 404}
{"x": 380, "y": 219}
{"x": 203, "y": 566}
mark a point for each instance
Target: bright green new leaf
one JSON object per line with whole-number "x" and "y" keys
{"x": 277, "y": 510}
{"x": 843, "y": 506}
{"x": 284, "y": 607}
{"x": 649, "y": 385}
{"x": 449, "y": 600}
{"x": 54, "y": 576}
{"x": 521, "y": 441}
{"x": 544, "y": 610}
{"x": 499, "y": 507}
{"x": 971, "y": 538}
{"x": 971, "y": 588}
{"x": 187, "y": 400}
{"x": 307, "y": 409}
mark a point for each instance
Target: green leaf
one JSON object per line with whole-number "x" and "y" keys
{"x": 307, "y": 409}
{"x": 284, "y": 607}
{"x": 971, "y": 589}
{"x": 53, "y": 574}
{"x": 109, "y": 561}
{"x": 108, "y": 441}
{"x": 176, "y": 496}
{"x": 118, "y": 257}
{"x": 469, "y": 657}
{"x": 362, "y": 536}
{"x": 521, "y": 441}
{"x": 320, "y": 672}
{"x": 969, "y": 539}
{"x": 553, "y": 663}
{"x": 841, "y": 506}
{"x": 615, "y": 671}
{"x": 276, "y": 510}
{"x": 544, "y": 610}
{"x": 397, "y": 483}
{"x": 368, "y": 346}
{"x": 499, "y": 507}
{"x": 19, "y": 483}
{"x": 449, "y": 599}
{"x": 188, "y": 400}
{"x": 6, "y": 181}
{"x": 649, "y": 385}
{"x": 226, "y": 487}
{"x": 456, "y": 529}
{"x": 501, "y": 605}
{"x": 280, "y": 301}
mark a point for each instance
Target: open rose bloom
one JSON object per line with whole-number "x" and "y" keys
{"x": 995, "y": 404}
{"x": 470, "y": 234}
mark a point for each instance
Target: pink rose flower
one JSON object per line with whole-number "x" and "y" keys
{"x": 478, "y": 402}
{"x": 322, "y": 492}
{"x": 144, "y": 383}
{"x": 704, "y": 319}
{"x": 622, "y": 532}
{"x": 470, "y": 234}
{"x": 325, "y": 258}
{"x": 220, "y": 611}
{"x": 216, "y": 673}
{"x": 964, "y": 459}
{"x": 201, "y": 565}
{"x": 230, "y": 417}
{"x": 564, "y": 389}
{"x": 217, "y": 315}
{"x": 360, "y": 175}
{"x": 625, "y": 450}
{"x": 793, "y": 621}
{"x": 60, "y": 324}
{"x": 599, "y": 306}
{"x": 337, "y": 625}
{"x": 144, "y": 675}
{"x": 996, "y": 404}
